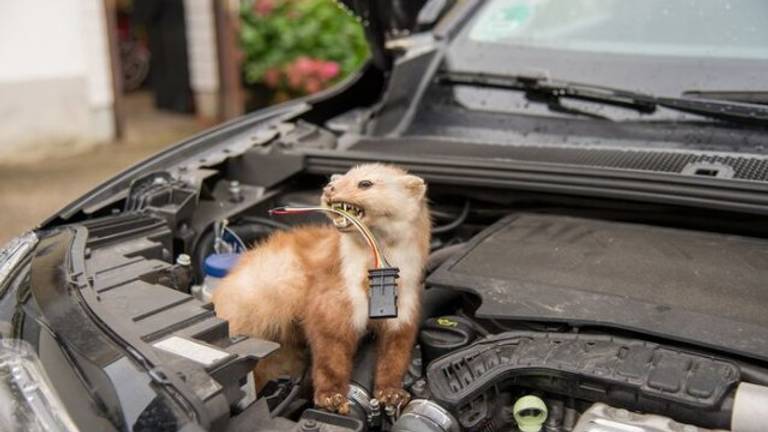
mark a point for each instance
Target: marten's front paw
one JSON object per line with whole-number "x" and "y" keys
{"x": 334, "y": 402}
{"x": 395, "y": 397}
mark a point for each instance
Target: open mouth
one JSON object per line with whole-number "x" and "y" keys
{"x": 340, "y": 221}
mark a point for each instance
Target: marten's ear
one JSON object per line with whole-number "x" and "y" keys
{"x": 335, "y": 177}
{"x": 415, "y": 185}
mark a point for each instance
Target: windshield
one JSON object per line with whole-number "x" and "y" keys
{"x": 711, "y": 28}
{"x": 658, "y": 46}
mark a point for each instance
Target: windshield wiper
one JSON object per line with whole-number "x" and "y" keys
{"x": 555, "y": 90}
{"x": 745, "y": 96}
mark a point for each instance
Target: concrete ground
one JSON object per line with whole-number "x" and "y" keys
{"x": 32, "y": 191}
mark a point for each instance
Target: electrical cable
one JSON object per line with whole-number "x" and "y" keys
{"x": 379, "y": 259}
{"x": 220, "y": 245}
{"x": 237, "y": 238}
{"x": 382, "y": 278}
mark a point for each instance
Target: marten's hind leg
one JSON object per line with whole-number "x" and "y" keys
{"x": 331, "y": 370}
{"x": 393, "y": 351}
{"x": 333, "y": 343}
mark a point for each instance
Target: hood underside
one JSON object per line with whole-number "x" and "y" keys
{"x": 382, "y": 19}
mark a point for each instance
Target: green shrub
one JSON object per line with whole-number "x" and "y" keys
{"x": 296, "y": 47}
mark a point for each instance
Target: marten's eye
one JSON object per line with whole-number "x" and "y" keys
{"x": 365, "y": 184}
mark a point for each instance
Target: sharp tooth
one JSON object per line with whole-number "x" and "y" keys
{"x": 341, "y": 223}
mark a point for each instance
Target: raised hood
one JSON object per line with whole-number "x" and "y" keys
{"x": 385, "y": 19}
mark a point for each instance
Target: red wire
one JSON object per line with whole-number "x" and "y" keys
{"x": 282, "y": 211}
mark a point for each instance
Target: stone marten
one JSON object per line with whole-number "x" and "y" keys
{"x": 308, "y": 287}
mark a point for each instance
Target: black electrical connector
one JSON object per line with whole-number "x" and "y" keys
{"x": 382, "y": 285}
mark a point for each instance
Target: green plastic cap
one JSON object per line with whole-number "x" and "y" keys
{"x": 530, "y": 413}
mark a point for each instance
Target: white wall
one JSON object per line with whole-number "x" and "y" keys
{"x": 55, "y": 79}
{"x": 203, "y": 61}
{"x": 40, "y": 39}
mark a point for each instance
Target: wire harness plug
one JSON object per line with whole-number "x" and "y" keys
{"x": 382, "y": 289}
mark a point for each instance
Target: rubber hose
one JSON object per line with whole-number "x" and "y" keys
{"x": 454, "y": 224}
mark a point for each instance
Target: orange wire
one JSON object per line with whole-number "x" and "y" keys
{"x": 371, "y": 242}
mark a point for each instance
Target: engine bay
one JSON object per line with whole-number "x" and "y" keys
{"x": 535, "y": 316}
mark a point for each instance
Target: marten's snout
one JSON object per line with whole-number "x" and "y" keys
{"x": 329, "y": 191}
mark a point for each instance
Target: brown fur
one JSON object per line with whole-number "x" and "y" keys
{"x": 307, "y": 287}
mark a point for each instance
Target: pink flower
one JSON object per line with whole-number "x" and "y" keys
{"x": 307, "y": 74}
{"x": 328, "y": 70}
{"x": 294, "y": 76}
{"x": 272, "y": 77}
{"x": 312, "y": 85}
{"x": 263, "y": 7}
{"x": 304, "y": 65}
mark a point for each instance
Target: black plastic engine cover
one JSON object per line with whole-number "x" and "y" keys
{"x": 703, "y": 288}
{"x": 623, "y": 372}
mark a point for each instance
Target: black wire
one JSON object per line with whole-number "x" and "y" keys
{"x": 455, "y": 223}
{"x": 291, "y": 396}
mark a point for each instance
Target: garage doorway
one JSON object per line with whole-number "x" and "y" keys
{"x": 154, "y": 44}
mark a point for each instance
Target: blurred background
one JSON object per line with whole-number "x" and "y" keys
{"x": 89, "y": 87}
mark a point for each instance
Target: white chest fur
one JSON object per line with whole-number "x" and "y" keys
{"x": 409, "y": 260}
{"x": 355, "y": 262}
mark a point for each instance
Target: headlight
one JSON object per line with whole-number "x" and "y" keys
{"x": 27, "y": 400}
{"x": 12, "y": 253}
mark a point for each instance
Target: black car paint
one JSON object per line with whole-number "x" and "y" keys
{"x": 118, "y": 387}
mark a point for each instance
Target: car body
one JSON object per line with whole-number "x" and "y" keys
{"x": 609, "y": 198}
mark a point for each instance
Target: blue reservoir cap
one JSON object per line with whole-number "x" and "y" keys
{"x": 218, "y": 265}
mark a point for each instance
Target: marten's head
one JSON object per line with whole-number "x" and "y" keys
{"x": 381, "y": 196}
